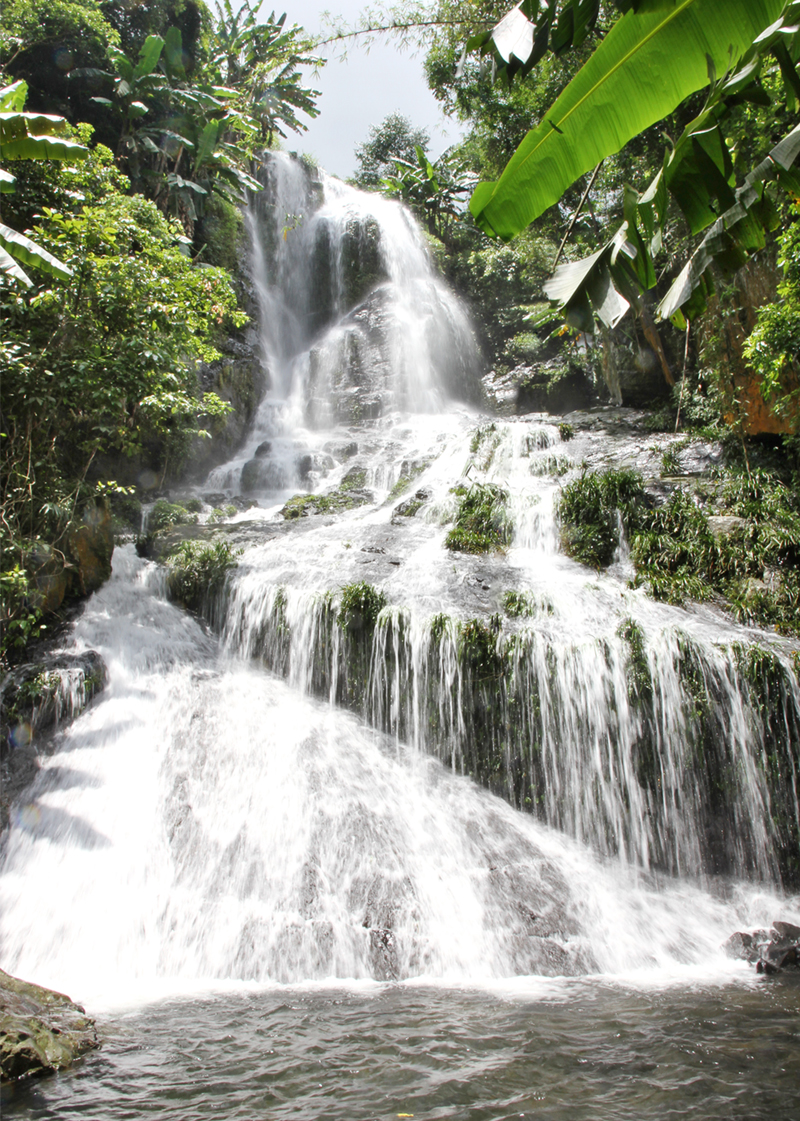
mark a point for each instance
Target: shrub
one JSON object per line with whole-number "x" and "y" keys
{"x": 481, "y": 524}
{"x": 165, "y": 515}
{"x": 197, "y": 571}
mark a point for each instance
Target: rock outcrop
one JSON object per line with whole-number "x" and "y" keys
{"x": 40, "y": 1030}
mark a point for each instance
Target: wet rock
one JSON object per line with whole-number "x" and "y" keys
{"x": 742, "y": 947}
{"x": 40, "y": 1030}
{"x": 411, "y": 506}
{"x": 34, "y": 699}
{"x": 342, "y": 451}
{"x": 722, "y": 526}
{"x": 238, "y": 378}
{"x": 263, "y": 449}
{"x": 787, "y": 930}
{"x": 767, "y": 967}
{"x": 216, "y": 498}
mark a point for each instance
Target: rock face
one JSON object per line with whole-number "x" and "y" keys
{"x": 34, "y": 699}
{"x": 239, "y": 378}
{"x": 89, "y": 546}
{"x": 40, "y": 1030}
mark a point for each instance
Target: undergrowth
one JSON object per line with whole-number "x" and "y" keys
{"x": 482, "y": 524}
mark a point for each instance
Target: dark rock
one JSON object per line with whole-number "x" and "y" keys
{"x": 410, "y": 507}
{"x": 742, "y": 947}
{"x": 304, "y": 465}
{"x": 40, "y": 1030}
{"x": 263, "y": 449}
{"x": 240, "y": 379}
{"x": 242, "y": 503}
{"x": 767, "y": 967}
{"x": 34, "y": 699}
{"x": 787, "y": 930}
{"x": 791, "y": 959}
{"x": 216, "y": 498}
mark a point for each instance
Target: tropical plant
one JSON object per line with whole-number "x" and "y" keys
{"x": 611, "y": 100}
{"x": 436, "y": 192}
{"x": 29, "y": 136}
{"x": 262, "y": 60}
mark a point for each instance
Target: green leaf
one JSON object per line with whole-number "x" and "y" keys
{"x": 7, "y": 183}
{"x": 148, "y": 56}
{"x": 646, "y": 65}
{"x": 12, "y": 98}
{"x": 207, "y": 144}
{"x": 27, "y": 251}
{"x": 734, "y": 235}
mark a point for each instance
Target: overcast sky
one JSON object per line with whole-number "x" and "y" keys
{"x": 362, "y": 91}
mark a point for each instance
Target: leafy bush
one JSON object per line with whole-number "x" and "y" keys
{"x": 197, "y": 571}
{"x": 589, "y": 510}
{"x": 481, "y": 523}
{"x": 165, "y": 515}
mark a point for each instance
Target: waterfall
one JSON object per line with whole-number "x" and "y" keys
{"x": 388, "y": 759}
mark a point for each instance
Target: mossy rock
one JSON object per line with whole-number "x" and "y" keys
{"x": 40, "y": 1030}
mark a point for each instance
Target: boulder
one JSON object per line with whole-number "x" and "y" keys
{"x": 40, "y": 1030}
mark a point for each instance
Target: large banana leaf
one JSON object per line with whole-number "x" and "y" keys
{"x": 647, "y": 64}
{"x": 16, "y": 247}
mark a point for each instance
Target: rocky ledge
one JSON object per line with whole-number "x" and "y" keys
{"x": 40, "y": 1030}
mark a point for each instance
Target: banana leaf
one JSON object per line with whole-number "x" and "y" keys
{"x": 648, "y": 64}
{"x": 16, "y": 247}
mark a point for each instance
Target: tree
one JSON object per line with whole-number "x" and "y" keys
{"x": 394, "y": 139}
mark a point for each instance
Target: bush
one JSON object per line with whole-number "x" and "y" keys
{"x": 482, "y": 524}
{"x": 197, "y": 571}
{"x": 165, "y": 515}
{"x": 589, "y": 510}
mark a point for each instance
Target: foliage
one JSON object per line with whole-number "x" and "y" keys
{"x": 689, "y": 41}
{"x": 675, "y": 552}
{"x": 590, "y": 510}
{"x": 359, "y": 606}
{"x": 165, "y": 515}
{"x": 481, "y": 523}
{"x": 197, "y": 571}
{"x": 394, "y": 139}
{"x": 694, "y": 41}
{"x": 774, "y": 344}
{"x": 28, "y": 136}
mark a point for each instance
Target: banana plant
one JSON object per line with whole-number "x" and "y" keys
{"x": 29, "y": 136}
{"x": 650, "y": 61}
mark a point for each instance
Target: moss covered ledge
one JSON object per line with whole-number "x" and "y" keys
{"x": 41, "y": 1031}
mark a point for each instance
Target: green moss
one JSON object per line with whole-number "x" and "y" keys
{"x": 640, "y": 684}
{"x": 566, "y": 431}
{"x": 360, "y": 606}
{"x": 193, "y": 505}
{"x": 197, "y": 571}
{"x": 481, "y": 524}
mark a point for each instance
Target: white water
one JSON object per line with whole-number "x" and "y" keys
{"x": 207, "y": 822}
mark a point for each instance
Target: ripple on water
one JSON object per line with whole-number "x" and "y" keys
{"x": 577, "y": 1050}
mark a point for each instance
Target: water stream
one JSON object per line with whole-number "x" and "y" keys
{"x": 260, "y": 856}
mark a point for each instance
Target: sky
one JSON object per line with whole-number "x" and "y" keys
{"x": 361, "y": 91}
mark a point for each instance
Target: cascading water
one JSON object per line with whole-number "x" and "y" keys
{"x": 219, "y": 817}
